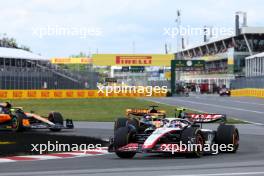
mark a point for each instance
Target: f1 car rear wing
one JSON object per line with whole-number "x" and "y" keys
{"x": 206, "y": 118}
{"x": 142, "y": 112}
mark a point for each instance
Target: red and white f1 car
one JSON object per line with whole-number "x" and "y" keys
{"x": 174, "y": 135}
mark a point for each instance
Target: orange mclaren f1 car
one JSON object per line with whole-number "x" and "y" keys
{"x": 14, "y": 118}
{"x": 137, "y": 117}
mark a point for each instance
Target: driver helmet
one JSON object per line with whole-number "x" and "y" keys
{"x": 5, "y": 107}
{"x": 146, "y": 119}
{"x": 176, "y": 124}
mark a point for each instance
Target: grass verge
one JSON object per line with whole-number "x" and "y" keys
{"x": 105, "y": 109}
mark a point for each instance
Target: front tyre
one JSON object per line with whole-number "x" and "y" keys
{"x": 120, "y": 122}
{"x": 122, "y": 138}
{"x": 125, "y": 155}
{"x": 57, "y": 119}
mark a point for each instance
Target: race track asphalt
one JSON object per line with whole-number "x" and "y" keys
{"x": 249, "y": 160}
{"x": 245, "y": 108}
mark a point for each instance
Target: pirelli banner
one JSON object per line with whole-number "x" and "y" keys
{"x": 68, "y": 94}
{"x": 132, "y": 59}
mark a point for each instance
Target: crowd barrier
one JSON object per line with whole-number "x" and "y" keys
{"x": 63, "y": 94}
{"x": 251, "y": 92}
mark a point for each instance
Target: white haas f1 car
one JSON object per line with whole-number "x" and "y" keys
{"x": 173, "y": 135}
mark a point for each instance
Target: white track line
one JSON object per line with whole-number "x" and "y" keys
{"x": 226, "y": 107}
{"x": 229, "y": 100}
{"x": 4, "y": 160}
{"x": 42, "y": 157}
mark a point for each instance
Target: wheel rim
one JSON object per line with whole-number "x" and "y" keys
{"x": 235, "y": 139}
{"x": 199, "y": 141}
{"x": 14, "y": 123}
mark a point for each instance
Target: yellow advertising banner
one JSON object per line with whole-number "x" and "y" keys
{"x": 251, "y": 92}
{"x": 132, "y": 59}
{"x": 64, "y": 94}
{"x": 82, "y": 60}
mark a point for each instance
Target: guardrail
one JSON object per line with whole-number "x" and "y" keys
{"x": 251, "y": 92}
{"x": 64, "y": 94}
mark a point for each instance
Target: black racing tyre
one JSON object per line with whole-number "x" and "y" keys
{"x": 125, "y": 154}
{"x": 17, "y": 122}
{"x": 122, "y": 138}
{"x": 228, "y": 134}
{"x": 195, "y": 133}
{"x": 120, "y": 122}
{"x": 56, "y": 118}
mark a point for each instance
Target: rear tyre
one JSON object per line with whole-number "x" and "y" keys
{"x": 122, "y": 138}
{"x": 17, "y": 122}
{"x": 228, "y": 135}
{"x": 56, "y": 118}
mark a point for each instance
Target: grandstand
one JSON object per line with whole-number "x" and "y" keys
{"x": 21, "y": 69}
{"x": 225, "y": 58}
{"x": 254, "y": 73}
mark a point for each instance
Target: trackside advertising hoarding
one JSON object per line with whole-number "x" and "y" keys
{"x": 82, "y": 60}
{"x": 62, "y": 94}
{"x": 132, "y": 59}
